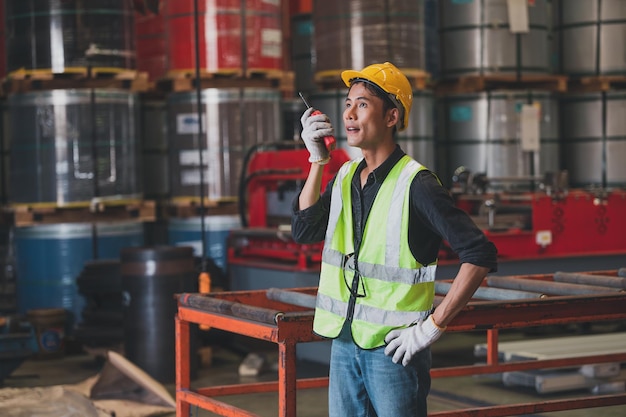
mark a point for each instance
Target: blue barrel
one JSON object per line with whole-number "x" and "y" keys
{"x": 188, "y": 232}
{"x": 49, "y": 258}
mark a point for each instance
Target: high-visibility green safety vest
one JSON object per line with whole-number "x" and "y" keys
{"x": 395, "y": 290}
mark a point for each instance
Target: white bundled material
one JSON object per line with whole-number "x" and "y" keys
{"x": 546, "y": 382}
{"x": 598, "y": 378}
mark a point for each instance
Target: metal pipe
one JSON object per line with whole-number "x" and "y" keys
{"x": 590, "y": 279}
{"x": 216, "y": 305}
{"x": 490, "y": 293}
{"x": 291, "y": 297}
{"x": 547, "y": 287}
{"x": 262, "y": 232}
{"x": 491, "y": 213}
{"x": 515, "y": 179}
{"x": 202, "y": 302}
{"x": 260, "y": 314}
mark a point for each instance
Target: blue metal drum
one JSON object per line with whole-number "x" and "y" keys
{"x": 49, "y": 258}
{"x": 188, "y": 232}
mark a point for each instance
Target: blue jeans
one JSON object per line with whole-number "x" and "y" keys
{"x": 366, "y": 383}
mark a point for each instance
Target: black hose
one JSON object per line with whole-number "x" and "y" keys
{"x": 243, "y": 178}
{"x": 200, "y": 137}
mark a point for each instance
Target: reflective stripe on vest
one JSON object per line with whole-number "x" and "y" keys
{"x": 394, "y": 289}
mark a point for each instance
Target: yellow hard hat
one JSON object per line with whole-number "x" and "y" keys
{"x": 389, "y": 79}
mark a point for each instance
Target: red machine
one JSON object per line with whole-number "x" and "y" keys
{"x": 273, "y": 176}
{"x": 552, "y": 222}
{"x": 576, "y": 223}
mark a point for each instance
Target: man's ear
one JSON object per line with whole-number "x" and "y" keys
{"x": 393, "y": 117}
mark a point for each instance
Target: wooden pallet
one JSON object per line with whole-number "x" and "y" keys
{"x": 596, "y": 84}
{"x": 183, "y": 207}
{"x": 33, "y": 214}
{"x": 287, "y": 85}
{"x": 184, "y": 80}
{"x": 79, "y": 77}
{"x": 478, "y": 83}
{"x": 325, "y": 80}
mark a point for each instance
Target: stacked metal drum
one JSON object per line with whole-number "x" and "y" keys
{"x": 590, "y": 40}
{"x": 479, "y": 37}
{"x": 80, "y": 148}
{"x": 216, "y": 101}
{"x": 562, "y": 62}
{"x": 531, "y": 106}
{"x": 506, "y": 131}
{"x": 483, "y": 133}
{"x": 71, "y": 146}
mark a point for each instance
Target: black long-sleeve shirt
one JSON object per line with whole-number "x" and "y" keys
{"x": 433, "y": 217}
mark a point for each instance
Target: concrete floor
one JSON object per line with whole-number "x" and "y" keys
{"x": 446, "y": 394}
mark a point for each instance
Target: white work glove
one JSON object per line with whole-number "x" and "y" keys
{"x": 314, "y": 129}
{"x": 403, "y": 344}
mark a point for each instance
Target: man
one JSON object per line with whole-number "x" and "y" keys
{"x": 383, "y": 218}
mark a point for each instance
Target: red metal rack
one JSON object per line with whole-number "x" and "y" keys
{"x": 252, "y": 314}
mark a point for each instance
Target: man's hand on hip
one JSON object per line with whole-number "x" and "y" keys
{"x": 403, "y": 344}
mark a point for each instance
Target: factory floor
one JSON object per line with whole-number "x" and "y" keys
{"x": 221, "y": 368}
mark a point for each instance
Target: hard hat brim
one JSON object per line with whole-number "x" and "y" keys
{"x": 349, "y": 75}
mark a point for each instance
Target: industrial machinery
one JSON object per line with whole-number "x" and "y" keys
{"x": 538, "y": 224}
{"x": 539, "y": 217}
{"x": 273, "y": 175}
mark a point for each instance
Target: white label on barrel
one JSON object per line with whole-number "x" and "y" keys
{"x": 196, "y": 245}
{"x": 192, "y": 177}
{"x": 51, "y": 339}
{"x": 529, "y": 129}
{"x": 61, "y": 167}
{"x": 518, "y": 15}
{"x": 187, "y": 123}
{"x": 191, "y": 157}
{"x": 150, "y": 268}
{"x": 271, "y": 45}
